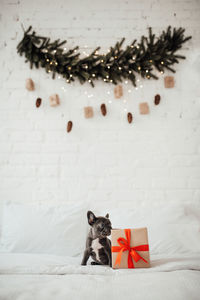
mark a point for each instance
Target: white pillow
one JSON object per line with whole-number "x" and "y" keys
{"x": 172, "y": 229}
{"x": 36, "y": 228}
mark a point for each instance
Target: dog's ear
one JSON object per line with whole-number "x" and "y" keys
{"x": 107, "y": 216}
{"x": 91, "y": 218}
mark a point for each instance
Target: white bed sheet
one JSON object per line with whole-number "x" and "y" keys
{"x": 40, "y": 277}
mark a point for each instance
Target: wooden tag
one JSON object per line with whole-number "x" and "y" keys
{"x": 118, "y": 91}
{"x": 144, "y": 108}
{"x": 30, "y": 84}
{"x": 88, "y": 111}
{"x": 54, "y": 100}
{"x": 169, "y": 81}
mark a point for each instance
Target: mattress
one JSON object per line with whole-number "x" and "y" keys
{"x": 41, "y": 276}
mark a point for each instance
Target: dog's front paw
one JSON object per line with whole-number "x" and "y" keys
{"x": 94, "y": 263}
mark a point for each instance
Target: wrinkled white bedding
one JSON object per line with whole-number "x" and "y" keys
{"x": 40, "y": 277}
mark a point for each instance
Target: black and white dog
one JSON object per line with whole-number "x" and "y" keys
{"x": 98, "y": 246}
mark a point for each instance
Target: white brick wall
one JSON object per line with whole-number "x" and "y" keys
{"x": 157, "y": 158}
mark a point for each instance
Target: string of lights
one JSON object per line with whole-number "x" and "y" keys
{"x": 117, "y": 65}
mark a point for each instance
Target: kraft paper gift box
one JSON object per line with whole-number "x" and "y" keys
{"x": 130, "y": 248}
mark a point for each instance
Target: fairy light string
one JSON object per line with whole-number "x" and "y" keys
{"x": 115, "y": 66}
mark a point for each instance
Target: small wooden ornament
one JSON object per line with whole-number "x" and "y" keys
{"x": 118, "y": 91}
{"x": 69, "y": 126}
{"x": 144, "y": 108}
{"x": 88, "y": 112}
{"x": 169, "y": 81}
{"x": 54, "y": 100}
{"x": 129, "y": 117}
{"x": 30, "y": 84}
{"x": 103, "y": 109}
{"x": 38, "y": 102}
{"x": 157, "y": 99}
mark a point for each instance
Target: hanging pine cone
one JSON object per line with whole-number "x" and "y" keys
{"x": 38, "y": 102}
{"x": 69, "y": 126}
{"x": 129, "y": 117}
{"x": 103, "y": 109}
{"x": 157, "y": 99}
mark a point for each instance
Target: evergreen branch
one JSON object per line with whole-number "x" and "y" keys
{"x": 136, "y": 59}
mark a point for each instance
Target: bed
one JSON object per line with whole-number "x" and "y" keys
{"x": 31, "y": 268}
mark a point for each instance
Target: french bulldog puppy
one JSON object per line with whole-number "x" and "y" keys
{"x": 98, "y": 246}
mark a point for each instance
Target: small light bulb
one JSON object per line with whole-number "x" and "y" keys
{"x": 162, "y": 62}
{"x": 139, "y": 68}
{"x": 147, "y": 71}
{"x": 130, "y": 72}
{"x": 102, "y": 60}
{"x": 108, "y": 67}
{"x": 69, "y": 68}
{"x": 93, "y": 75}
{"x": 71, "y": 75}
{"x": 89, "y": 80}
{"x": 111, "y": 80}
{"x": 115, "y": 57}
{"x": 107, "y": 76}
{"x": 120, "y": 68}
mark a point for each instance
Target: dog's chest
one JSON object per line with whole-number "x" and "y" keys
{"x": 96, "y": 246}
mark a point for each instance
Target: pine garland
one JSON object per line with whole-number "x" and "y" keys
{"x": 136, "y": 59}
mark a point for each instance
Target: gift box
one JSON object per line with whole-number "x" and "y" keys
{"x": 130, "y": 248}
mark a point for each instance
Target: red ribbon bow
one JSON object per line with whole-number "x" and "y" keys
{"x": 124, "y": 245}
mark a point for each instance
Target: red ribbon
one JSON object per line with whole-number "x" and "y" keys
{"x": 124, "y": 245}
